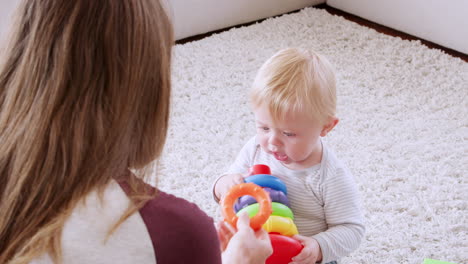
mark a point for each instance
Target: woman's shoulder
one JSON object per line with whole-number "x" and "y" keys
{"x": 86, "y": 238}
{"x": 180, "y": 231}
{"x": 165, "y": 207}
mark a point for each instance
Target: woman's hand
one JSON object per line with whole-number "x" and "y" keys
{"x": 225, "y": 233}
{"x": 310, "y": 254}
{"x": 246, "y": 245}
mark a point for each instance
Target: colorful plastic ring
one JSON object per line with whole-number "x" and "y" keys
{"x": 260, "y": 169}
{"x": 281, "y": 225}
{"x": 277, "y": 209}
{"x": 284, "y": 249}
{"x": 247, "y": 189}
{"x": 269, "y": 181}
{"x": 275, "y": 195}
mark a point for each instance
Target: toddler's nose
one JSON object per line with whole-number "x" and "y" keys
{"x": 274, "y": 141}
{"x": 272, "y": 148}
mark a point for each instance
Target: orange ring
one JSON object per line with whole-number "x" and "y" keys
{"x": 251, "y": 189}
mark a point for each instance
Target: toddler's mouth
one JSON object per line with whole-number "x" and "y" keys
{"x": 280, "y": 157}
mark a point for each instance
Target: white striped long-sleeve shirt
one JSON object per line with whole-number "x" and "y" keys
{"x": 324, "y": 199}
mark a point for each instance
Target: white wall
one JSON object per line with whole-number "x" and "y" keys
{"x": 193, "y": 17}
{"x": 442, "y": 22}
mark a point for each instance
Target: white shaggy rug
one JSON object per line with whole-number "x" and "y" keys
{"x": 403, "y": 130}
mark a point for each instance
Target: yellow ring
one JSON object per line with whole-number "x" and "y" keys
{"x": 282, "y": 225}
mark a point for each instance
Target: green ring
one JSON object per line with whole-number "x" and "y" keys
{"x": 278, "y": 209}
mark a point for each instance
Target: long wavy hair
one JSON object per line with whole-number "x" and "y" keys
{"x": 84, "y": 98}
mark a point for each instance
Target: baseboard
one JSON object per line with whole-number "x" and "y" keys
{"x": 350, "y": 17}
{"x": 390, "y": 31}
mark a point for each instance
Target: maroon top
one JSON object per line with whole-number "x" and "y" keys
{"x": 180, "y": 231}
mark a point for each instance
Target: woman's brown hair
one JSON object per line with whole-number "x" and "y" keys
{"x": 84, "y": 97}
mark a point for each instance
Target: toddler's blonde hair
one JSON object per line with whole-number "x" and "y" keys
{"x": 296, "y": 80}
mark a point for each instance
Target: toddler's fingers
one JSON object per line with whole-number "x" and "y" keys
{"x": 300, "y": 238}
{"x": 239, "y": 179}
{"x": 248, "y": 173}
{"x": 304, "y": 256}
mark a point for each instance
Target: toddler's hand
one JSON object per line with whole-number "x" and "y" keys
{"x": 310, "y": 254}
{"x": 226, "y": 182}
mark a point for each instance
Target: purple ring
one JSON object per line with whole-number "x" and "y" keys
{"x": 275, "y": 195}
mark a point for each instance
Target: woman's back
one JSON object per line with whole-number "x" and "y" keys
{"x": 84, "y": 98}
{"x": 166, "y": 230}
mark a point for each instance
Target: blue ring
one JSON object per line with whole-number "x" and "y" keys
{"x": 265, "y": 180}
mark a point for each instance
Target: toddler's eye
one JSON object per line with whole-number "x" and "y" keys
{"x": 289, "y": 134}
{"x": 265, "y": 128}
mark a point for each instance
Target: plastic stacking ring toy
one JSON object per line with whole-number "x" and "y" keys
{"x": 282, "y": 225}
{"x": 284, "y": 249}
{"x": 269, "y": 181}
{"x": 275, "y": 195}
{"x": 260, "y": 169}
{"x": 278, "y": 196}
{"x": 277, "y": 209}
{"x": 247, "y": 189}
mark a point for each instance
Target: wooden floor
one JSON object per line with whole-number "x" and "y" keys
{"x": 356, "y": 19}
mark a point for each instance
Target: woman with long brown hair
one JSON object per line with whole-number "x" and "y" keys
{"x": 84, "y": 100}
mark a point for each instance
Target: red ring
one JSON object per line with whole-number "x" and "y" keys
{"x": 260, "y": 169}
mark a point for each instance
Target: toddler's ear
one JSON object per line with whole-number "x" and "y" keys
{"x": 332, "y": 121}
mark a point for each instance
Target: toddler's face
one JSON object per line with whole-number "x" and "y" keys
{"x": 293, "y": 141}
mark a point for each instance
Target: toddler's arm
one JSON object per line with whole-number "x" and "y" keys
{"x": 236, "y": 172}
{"x": 342, "y": 207}
{"x": 224, "y": 183}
